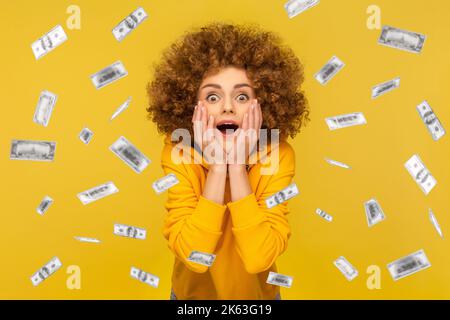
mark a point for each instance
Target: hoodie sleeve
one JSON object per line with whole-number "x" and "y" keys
{"x": 192, "y": 222}
{"x": 262, "y": 234}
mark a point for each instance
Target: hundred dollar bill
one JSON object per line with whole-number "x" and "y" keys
{"x": 279, "y": 279}
{"x": 435, "y": 222}
{"x": 433, "y": 124}
{"x": 295, "y": 7}
{"x": 44, "y": 108}
{"x": 420, "y": 174}
{"x": 129, "y": 231}
{"x": 97, "y": 192}
{"x": 324, "y": 215}
{"x": 144, "y": 277}
{"x": 129, "y": 24}
{"x": 337, "y": 163}
{"x": 44, "y": 205}
{"x": 86, "y": 239}
{"x": 346, "y": 268}
{"x": 86, "y": 135}
{"x": 48, "y": 42}
{"x": 121, "y": 108}
{"x": 408, "y": 265}
{"x": 374, "y": 213}
{"x": 130, "y": 154}
{"x": 46, "y": 271}
{"x": 32, "y": 150}
{"x": 109, "y": 74}
{"x": 202, "y": 258}
{"x": 385, "y": 87}
{"x": 165, "y": 183}
{"x": 345, "y": 120}
{"x": 401, "y": 39}
{"x": 282, "y": 196}
{"x": 329, "y": 70}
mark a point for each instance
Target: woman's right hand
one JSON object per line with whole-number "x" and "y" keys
{"x": 208, "y": 138}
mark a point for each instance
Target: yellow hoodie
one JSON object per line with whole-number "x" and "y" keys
{"x": 245, "y": 235}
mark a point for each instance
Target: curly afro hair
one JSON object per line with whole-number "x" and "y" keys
{"x": 273, "y": 68}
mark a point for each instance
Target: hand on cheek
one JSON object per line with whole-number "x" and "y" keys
{"x": 207, "y": 137}
{"x": 245, "y": 139}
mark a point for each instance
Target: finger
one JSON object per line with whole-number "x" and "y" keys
{"x": 205, "y": 118}
{"x": 219, "y": 141}
{"x": 245, "y": 122}
{"x": 198, "y": 132}
{"x": 251, "y": 116}
{"x": 199, "y": 112}
{"x": 256, "y": 121}
{"x": 259, "y": 121}
{"x": 218, "y": 136}
{"x": 197, "y": 125}
{"x": 195, "y": 112}
{"x": 210, "y": 123}
{"x": 209, "y": 126}
{"x": 195, "y": 117}
{"x": 237, "y": 132}
{"x": 260, "y": 113}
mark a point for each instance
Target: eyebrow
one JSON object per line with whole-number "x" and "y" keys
{"x": 239, "y": 85}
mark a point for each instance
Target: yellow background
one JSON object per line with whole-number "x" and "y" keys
{"x": 377, "y": 151}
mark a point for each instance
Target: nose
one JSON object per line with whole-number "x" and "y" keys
{"x": 228, "y": 108}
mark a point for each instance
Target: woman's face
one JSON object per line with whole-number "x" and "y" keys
{"x": 227, "y": 95}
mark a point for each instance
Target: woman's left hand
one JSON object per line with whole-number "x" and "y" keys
{"x": 245, "y": 139}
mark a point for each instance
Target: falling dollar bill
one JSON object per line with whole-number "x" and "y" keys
{"x": 324, "y": 215}
{"x": 97, "y": 192}
{"x": 44, "y": 108}
{"x": 44, "y": 205}
{"x": 420, "y": 174}
{"x": 86, "y": 239}
{"x": 121, "y": 108}
{"x": 109, "y": 74}
{"x": 295, "y": 7}
{"x": 130, "y": 154}
{"x": 165, "y": 183}
{"x": 129, "y": 24}
{"x": 202, "y": 258}
{"x": 435, "y": 222}
{"x": 32, "y": 150}
{"x": 86, "y": 135}
{"x": 374, "y": 213}
{"x": 346, "y": 268}
{"x": 282, "y": 196}
{"x": 329, "y": 70}
{"x": 129, "y": 231}
{"x": 279, "y": 279}
{"x": 385, "y": 87}
{"x": 345, "y": 120}
{"x": 408, "y": 265}
{"x": 430, "y": 120}
{"x": 401, "y": 39}
{"x": 46, "y": 271}
{"x": 48, "y": 42}
{"x": 144, "y": 277}
{"x": 337, "y": 163}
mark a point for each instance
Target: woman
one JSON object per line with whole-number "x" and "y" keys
{"x": 223, "y": 83}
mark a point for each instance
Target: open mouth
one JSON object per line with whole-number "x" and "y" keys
{"x": 227, "y": 128}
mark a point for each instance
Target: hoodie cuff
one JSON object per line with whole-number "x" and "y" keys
{"x": 245, "y": 211}
{"x": 209, "y": 214}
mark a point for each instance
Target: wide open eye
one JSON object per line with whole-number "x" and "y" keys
{"x": 242, "y": 97}
{"x": 212, "y": 98}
